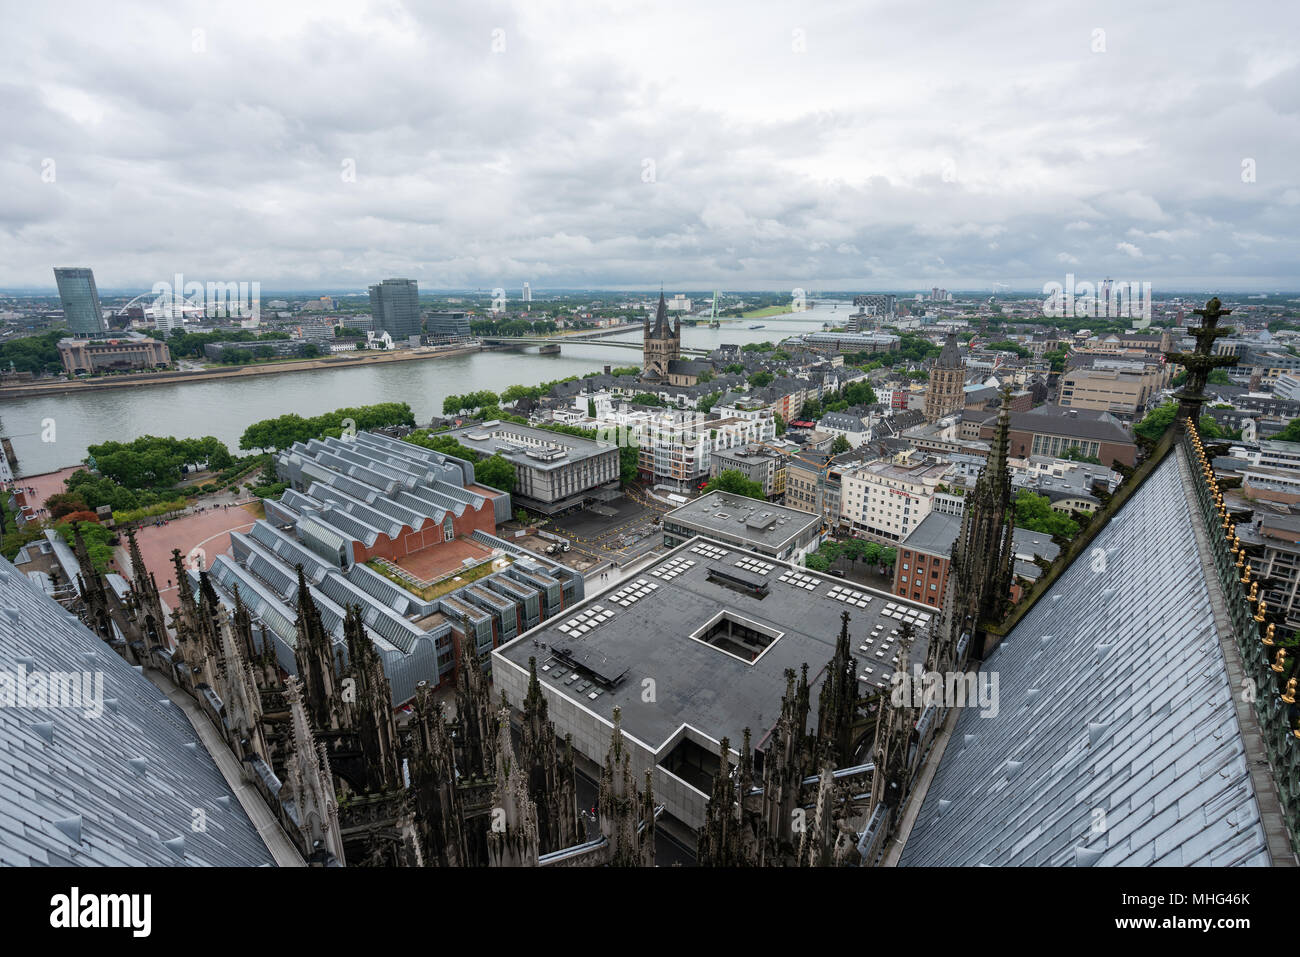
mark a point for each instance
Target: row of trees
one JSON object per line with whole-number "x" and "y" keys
{"x": 469, "y": 402}
{"x": 1155, "y": 422}
{"x": 512, "y": 327}
{"x": 853, "y": 550}
{"x": 190, "y": 344}
{"x": 283, "y": 431}
{"x": 152, "y": 461}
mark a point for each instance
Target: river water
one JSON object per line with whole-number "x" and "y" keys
{"x": 226, "y": 408}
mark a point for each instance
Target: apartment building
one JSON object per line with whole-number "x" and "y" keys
{"x": 887, "y": 499}
{"x": 675, "y": 447}
{"x": 758, "y": 463}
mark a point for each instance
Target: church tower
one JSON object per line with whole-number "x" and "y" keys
{"x": 943, "y": 395}
{"x": 661, "y": 344}
{"x": 979, "y": 581}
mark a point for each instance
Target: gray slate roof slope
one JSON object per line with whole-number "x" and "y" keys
{"x": 122, "y": 788}
{"x": 1115, "y": 707}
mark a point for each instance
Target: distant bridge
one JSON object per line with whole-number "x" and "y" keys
{"x": 552, "y": 344}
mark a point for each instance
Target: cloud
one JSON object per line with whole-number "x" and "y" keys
{"x": 495, "y": 142}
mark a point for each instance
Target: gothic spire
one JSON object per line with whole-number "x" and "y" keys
{"x": 661, "y": 319}
{"x": 837, "y": 702}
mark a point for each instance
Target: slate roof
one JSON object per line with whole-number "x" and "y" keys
{"x": 950, "y": 354}
{"x": 1074, "y": 423}
{"x": 1114, "y": 698}
{"x": 118, "y": 789}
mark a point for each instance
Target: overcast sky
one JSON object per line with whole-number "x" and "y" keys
{"x": 738, "y": 145}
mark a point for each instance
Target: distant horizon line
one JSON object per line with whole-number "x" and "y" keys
{"x": 907, "y": 293}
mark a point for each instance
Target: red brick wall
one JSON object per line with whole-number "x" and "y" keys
{"x": 923, "y": 565}
{"x": 409, "y": 540}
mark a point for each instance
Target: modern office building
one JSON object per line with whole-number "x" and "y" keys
{"x": 448, "y": 326}
{"x": 80, "y": 298}
{"x": 1125, "y": 395}
{"x": 773, "y": 530}
{"x": 395, "y": 308}
{"x": 837, "y": 342}
{"x": 553, "y": 471}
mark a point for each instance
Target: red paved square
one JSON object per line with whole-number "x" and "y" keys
{"x": 429, "y": 563}
{"x": 202, "y": 535}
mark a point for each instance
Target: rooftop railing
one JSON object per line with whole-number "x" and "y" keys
{"x": 1268, "y": 659}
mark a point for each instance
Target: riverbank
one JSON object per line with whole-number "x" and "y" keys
{"x": 344, "y": 361}
{"x": 767, "y": 312}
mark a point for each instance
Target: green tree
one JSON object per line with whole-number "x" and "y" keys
{"x": 760, "y": 379}
{"x": 840, "y": 445}
{"x": 1155, "y": 422}
{"x": 38, "y": 355}
{"x": 1035, "y": 512}
{"x": 1075, "y": 454}
{"x": 496, "y": 472}
{"x": 1291, "y": 433}
{"x": 1056, "y": 358}
{"x": 733, "y": 481}
{"x": 780, "y": 423}
{"x": 1008, "y": 346}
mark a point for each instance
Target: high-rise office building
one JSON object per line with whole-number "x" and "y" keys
{"x": 81, "y": 309}
{"x": 395, "y": 308}
{"x": 528, "y": 293}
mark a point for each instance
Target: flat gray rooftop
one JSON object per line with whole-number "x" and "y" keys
{"x": 938, "y": 531}
{"x": 496, "y": 437}
{"x": 641, "y": 629}
{"x": 728, "y": 514}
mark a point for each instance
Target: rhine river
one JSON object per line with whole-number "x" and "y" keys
{"x": 226, "y": 408}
